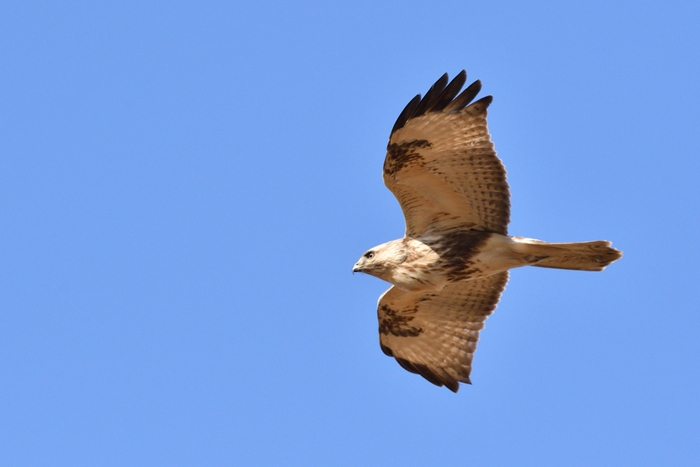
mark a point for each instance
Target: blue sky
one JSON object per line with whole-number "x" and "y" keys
{"x": 185, "y": 186}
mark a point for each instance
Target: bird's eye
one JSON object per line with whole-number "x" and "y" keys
{"x": 369, "y": 255}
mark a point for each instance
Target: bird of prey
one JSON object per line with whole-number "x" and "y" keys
{"x": 449, "y": 269}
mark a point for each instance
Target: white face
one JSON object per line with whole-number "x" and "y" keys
{"x": 380, "y": 260}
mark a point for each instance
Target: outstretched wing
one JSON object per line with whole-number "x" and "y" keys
{"x": 441, "y": 165}
{"x": 435, "y": 334}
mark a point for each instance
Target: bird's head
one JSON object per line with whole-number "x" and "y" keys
{"x": 381, "y": 260}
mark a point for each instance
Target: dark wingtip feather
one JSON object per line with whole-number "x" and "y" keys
{"x": 431, "y": 96}
{"x": 406, "y": 113}
{"x": 441, "y": 98}
{"x": 387, "y": 351}
{"x": 452, "y": 385}
{"x": 406, "y": 365}
{"x": 428, "y": 374}
{"x": 449, "y": 92}
{"x": 465, "y": 98}
{"x": 480, "y": 106}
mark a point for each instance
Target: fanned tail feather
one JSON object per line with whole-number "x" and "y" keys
{"x": 580, "y": 256}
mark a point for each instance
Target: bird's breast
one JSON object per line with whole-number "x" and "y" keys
{"x": 420, "y": 270}
{"x": 433, "y": 262}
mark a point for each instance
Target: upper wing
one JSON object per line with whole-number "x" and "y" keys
{"x": 435, "y": 334}
{"x": 441, "y": 165}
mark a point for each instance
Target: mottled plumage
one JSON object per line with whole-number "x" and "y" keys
{"x": 449, "y": 270}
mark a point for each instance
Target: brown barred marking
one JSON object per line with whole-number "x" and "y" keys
{"x": 401, "y": 155}
{"x": 391, "y": 322}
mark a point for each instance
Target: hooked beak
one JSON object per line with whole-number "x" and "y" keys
{"x": 356, "y": 268}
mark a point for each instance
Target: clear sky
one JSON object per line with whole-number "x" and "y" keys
{"x": 185, "y": 186}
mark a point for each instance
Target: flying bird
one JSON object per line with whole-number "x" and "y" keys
{"x": 449, "y": 269}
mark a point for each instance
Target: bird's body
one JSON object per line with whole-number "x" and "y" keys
{"x": 431, "y": 262}
{"x": 450, "y": 268}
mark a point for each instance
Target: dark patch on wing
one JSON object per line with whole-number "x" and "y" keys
{"x": 396, "y": 323}
{"x": 456, "y": 250}
{"x": 399, "y": 156}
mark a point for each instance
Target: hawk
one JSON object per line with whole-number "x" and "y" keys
{"x": 449, "y": 269}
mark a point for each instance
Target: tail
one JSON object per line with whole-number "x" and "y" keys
{"x": 583, "y": 256}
